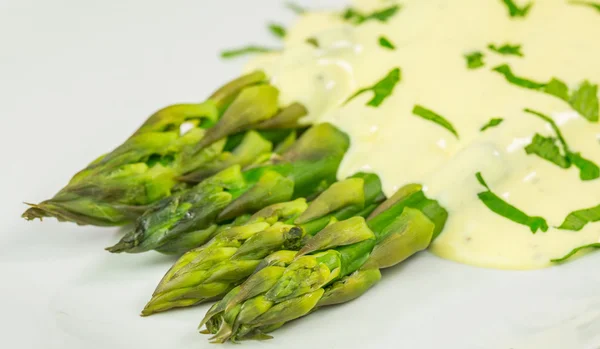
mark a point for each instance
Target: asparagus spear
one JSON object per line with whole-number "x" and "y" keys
{"x": 306, "y": 168}
{"x": 233, "y": 254}
{"x": 117, "y": 187}
{"x": 331, "y": 268}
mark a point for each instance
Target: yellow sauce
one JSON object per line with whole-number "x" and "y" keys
{"x": 431, "y": 38}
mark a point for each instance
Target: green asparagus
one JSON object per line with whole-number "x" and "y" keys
{"x": 234, "y": 253}
{"x": 331, "y": 268}
{"x": 306, "y": 168}
{"x": 119, "y": 186}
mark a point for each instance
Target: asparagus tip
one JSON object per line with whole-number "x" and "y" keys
{"x": 33, "y": 212}
{"x": 150, "y": 308}
{"x": 121, "y": 246}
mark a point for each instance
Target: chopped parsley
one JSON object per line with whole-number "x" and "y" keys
{"x": 492, "y": 123}
{"x": 312, "y": 41}
{"x": 507, "y": 49}
{"x": 432, "y": 116}
{"x": 251, "y": 49}
{"x": 505, "y": 70}
{"x": 591, "y": 4}
{"x": 506, "y": 210}
{"x": 583, "y": 99}
{"x": 515, "y": 10}
{"x": 588, "y": 170}
{"x": 557, "y": 88}
{"x": 382, "y": 89}
{"x": 384, "y": 42}
{"x": 547, "y": 149}
{"x": 576, "y": 220}
{"x": 295, "y": 7}
{"x": 474, "y": 60}
{"x": 277, "y": 30}
{"x": 574, "y": 251}
{"x": 356, "y": 17}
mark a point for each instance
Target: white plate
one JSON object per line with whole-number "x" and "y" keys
{"x": 77, "y": 76}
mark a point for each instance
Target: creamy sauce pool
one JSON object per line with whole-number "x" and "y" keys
{"x": 431, "y": 38}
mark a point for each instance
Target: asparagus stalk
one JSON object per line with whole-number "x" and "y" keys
{"x": 117, "y": 187}
{"x": 331, "y": 268}
{"x": 233, "y": 254}
{"x": 306, "y": 168}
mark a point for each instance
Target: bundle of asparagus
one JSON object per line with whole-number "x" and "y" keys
{"x": 239, "y": 177}
{"x": 226, "y": 129}
{"x": 331, "y": 268}
{"x": 190, "y": 218}
{"x": 235, "y": 252}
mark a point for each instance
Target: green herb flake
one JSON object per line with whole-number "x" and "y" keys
{"x": 591, "y": 4}
{"x": 312, "y": 41}
{"x": 295, "y": 7}
{"x": 505, "y": 70}
{"x": 507, "y": 49}
{"x": 576, "y": 220}
{"x": 245, "y": 51}
{"x": 584, "y": 99}
{"x": 384, "y": 42}
{"x": 277, "y": 30}
{"x": 506, "y": 210}
{"x": 515, "y": 11}
{"x": 474, "y": 60}
{"x": 492, "y": 123}
{"x": 432, "y": 116}
{"x": 587, "y": 169}
{"x": 547, "y": 149}
{"x": 382, "y": 89}
{"x": 356, "y": 17}
{"x": 575, "y": 251}
{"x": 557, "y": 88}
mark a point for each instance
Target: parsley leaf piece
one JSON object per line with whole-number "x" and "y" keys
{"x": 557, "y": 88}
{"x": 352, "y": 15}
{"x": 574, "y": 251}
{"x": 506, "y": 210}
{"x": 546, "y": 148}
{"x": 251, "y": 49}
{"x": 515, "y": 11}
{"x": 492, "y": 123}
{"x": 277, "y": 30}
{"x": 382, "y": 89}
{"x": 591, "y": 4}
{"x": 474, "y": 60}
{"x": 312, "y": 41}
{"x": 356, "y": 17}
{"x": 585, "y": 100}
{"x": 587, "y": 169}
{"x": 432, "y": 116}
{"x": 384, "y": 14}
{"x": 507, "y": 49}
{"x": 576, "y": 220}
{"x": 295, "y": 7}
{"x": 549, "y": 120}
{"x": 384, "y": 42}
{"x": 505, "y": 70}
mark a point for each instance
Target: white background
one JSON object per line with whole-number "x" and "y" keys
{"x": 76, "y": 77}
